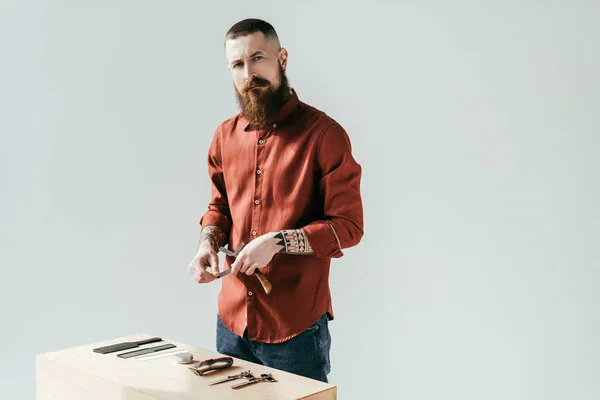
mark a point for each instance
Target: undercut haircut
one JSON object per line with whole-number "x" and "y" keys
{"x": 249, "y": 26}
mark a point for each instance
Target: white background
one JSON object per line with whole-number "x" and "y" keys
{"x": 477, "y": 128}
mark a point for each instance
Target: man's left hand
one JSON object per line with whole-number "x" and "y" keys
{"x": 256, "y": 254}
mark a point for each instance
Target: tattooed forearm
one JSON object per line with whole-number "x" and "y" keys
{"x": 293, "y": 241}
{"x": 214, "y": 235}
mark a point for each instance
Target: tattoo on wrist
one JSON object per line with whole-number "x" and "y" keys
{"x": 214, "y": 236}
{"x": 293, "y": 241}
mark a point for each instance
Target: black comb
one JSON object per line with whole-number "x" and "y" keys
{"x": 125, "y": 346}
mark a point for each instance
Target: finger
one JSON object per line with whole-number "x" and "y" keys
{"x": 194, "y": 268}
{"x": 196, "y": 271}
{"x": 237, "y": 266}
{"x": 214, "y": 264}
{"x": 204, "y": 277}
{"x": 251, "y": 269}
{"x": 234, "y": 267}
{"x": 244, "y": 267}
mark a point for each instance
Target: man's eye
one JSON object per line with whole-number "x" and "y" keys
{"x": 237, "y": 65}
{"x": 258, "y": 58}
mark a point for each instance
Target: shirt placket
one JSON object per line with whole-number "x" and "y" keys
{"x": 260, "y": 168}
{"x": 259, "y": 171}
{"x": 261, "y": 140}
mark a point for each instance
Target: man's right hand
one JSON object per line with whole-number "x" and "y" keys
{"x": 204, "y": 258}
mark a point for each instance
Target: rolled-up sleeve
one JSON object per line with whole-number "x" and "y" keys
{"x": 218, "y": 213}
{"x": 342, "y": 225}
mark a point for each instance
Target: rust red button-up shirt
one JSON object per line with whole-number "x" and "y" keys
{"x": 298, "y": 174}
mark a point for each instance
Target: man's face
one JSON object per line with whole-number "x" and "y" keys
{"x": 257, "y": 68}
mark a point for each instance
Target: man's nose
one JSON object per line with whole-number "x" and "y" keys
{"x": 249, "y": 74}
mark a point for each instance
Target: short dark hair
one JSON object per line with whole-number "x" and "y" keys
{"x": 249, "y": 26}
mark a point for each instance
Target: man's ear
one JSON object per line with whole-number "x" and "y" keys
{"x": 283, "y": 57}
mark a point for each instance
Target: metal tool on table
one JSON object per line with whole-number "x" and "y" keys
{"x": 213, "y": 364}
{"x": 241, "y": 375}
{"x": 252, "y": 381}
{"x": 125, "y": 345}
{"x": 149, "y": 350}
{"x": 266, "y": 285}
{"x": 169, "y": 353}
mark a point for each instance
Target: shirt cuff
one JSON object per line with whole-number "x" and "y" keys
{"x": 217, "y": 219}
{"x": 323, "y": 240}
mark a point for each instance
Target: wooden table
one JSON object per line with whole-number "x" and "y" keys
{"x": 79, "y": 373}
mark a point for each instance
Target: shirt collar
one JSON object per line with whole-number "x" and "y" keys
{"x": 288, "y": 107}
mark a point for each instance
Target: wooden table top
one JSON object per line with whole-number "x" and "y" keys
{"x": 164, "y": 378}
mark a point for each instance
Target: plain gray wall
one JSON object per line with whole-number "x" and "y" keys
{"x": 478, "y": 131}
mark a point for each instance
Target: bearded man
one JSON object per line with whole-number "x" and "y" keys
{"x": 286, "y": 185}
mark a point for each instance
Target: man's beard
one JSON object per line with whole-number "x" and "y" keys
{"x": 259, "y": 105}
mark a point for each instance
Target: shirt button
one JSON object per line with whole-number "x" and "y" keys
{"x": 261, "y": 141}
{"x": 256, "y": 201}
{"x": 249, "y": 293}
{"x": 253, "y": 233}
{"x": 258, "y": 171}
{"x": 274, "y": 125}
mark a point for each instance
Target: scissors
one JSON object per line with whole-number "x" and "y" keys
{"x": 253, "y": 380}
{"x": 246, "y": 374}
{"x": 266, "y": 285}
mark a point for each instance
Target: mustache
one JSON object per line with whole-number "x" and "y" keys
{"x": 256, "y": 82}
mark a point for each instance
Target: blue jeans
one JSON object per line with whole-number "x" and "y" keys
{"x": 306, "y": 354}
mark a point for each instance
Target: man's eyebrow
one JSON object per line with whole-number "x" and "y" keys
{"x": 257, "y": 52}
